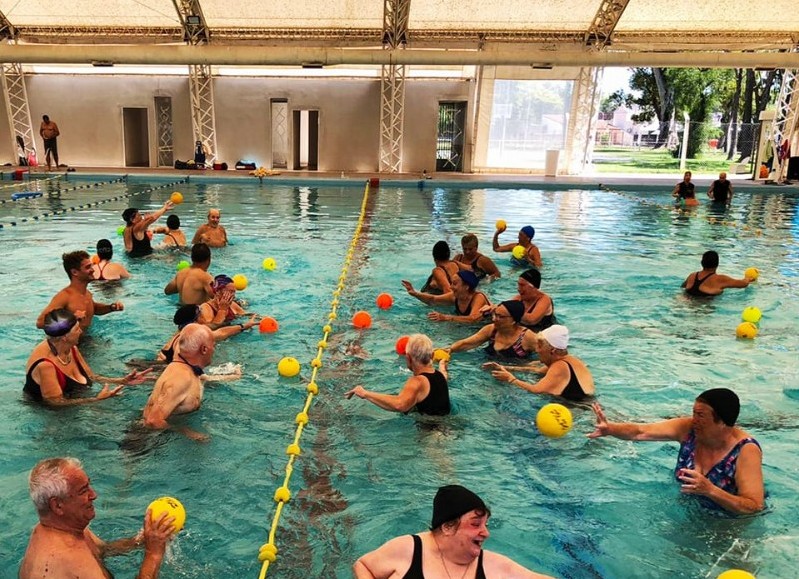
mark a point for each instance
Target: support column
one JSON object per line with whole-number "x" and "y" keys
{"x": 392, "y": 87}
{"x": 785, "y": 122}
{"x": 16, "y": 98}
{"x": 582, "y": 120}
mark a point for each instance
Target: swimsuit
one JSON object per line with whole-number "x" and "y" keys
{"x": 169, "y": 353}
{"x": 69, "y": 386}
{"x": 436, "y": 291}
{"x": 573, "y": 391}
{"x": 687, "y": 190}
{"x": 694, "y": 289}
{"x": 721, "y": 475}
{"x": 177, "y": 243}
{"x": 437, "y": 401}
{"x": 198, "y": 371}
{"x": 140, "y": 247}
{"x": 515, "y": 350}
{"x": 101, "y": 268}
{"x": 543, "y": 323}
{"x": 468, "y": 309}
{"x": 230, "y": 316}
{"x": 721, "y": 190}
{"x": 415, "y": 571}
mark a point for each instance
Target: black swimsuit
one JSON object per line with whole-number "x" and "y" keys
{"x": 415, "y": 572}
{"x": 436, "y": 291}
{"x": 694, "y": 289}
{"x": 543, "y": 323}
{"x": 573, "y": 391}
{"x": 169, "y": 352}
{"x": 437, "y": 401}
{"x": 468, "y": 310}
{"x": 139, "y": 247}
{"x": 515, "y": 350}
{"x": 69, "y": 386}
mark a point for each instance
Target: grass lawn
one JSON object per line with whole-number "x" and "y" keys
{"x": 630, "y": 160}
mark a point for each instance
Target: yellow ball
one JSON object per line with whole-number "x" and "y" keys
{"x": 440, "y": 354}
{"x": 501, "y": 225}
{"x": 752, "y": 274}
{"x": 746, "y": 330}
{"x": 270, "y": 264}
{"x": 519, "y": 252}
{"x": 240, "y": 281}
{"x": 288, "y": 367}
{"x": 751, "y": 315}
{"x": 736, "y": 574}
{"x": 554, "y": 420}
{"x": 176, "y": 198}
{"x": 172, "y": 508}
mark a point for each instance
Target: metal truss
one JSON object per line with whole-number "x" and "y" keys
{"x": 16, "y": 98}
{"x": 582, "y": 121}
{"x": 7, "y": 30}
{"x": 392, "y": 86}
{"x": 195, "y": 29}
{"x": 201, "y": 87}
{"x": 605, "y": 21}
{"x": 785, "y": 120}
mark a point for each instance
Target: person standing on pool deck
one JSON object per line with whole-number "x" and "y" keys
{"x": 721, "y": 190}
{"x": 718, "y": 462}
{"x": 76, "y": 297}
{"x": 211, "y": 233}
{"x": 49, "y": 133}
{"x": 531, "y": 254}
{"x": 708, "y": 283}
{"x": 62, "y": 545}
{"x": 453, "y": 547}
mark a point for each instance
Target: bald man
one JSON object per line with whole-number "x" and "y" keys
{"x": 721, "y": 190}
{"x": 211, "y": 233}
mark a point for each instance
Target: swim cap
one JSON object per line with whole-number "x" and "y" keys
{"x": 104, "y": 249}
{"x": 59, "y": 322}
{"x": 724, "y": 402}
{"x": 468, "y": 278}
{"x": 128, "y": 214}
{"x": 186, "y": 315}
{"x": 515, "y": 309}
{"x": 221, "y": 281}
{"x": 532, "y": 276}
{"x": 557, "y": 336}
{"x": 173, "y": 222}
{"x": 453, "y": 501}
{"x": 441, "y": 251}
{"x": 529, "y": 231}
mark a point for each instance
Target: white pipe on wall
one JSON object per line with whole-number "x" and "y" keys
{"x": 276, "y": 56}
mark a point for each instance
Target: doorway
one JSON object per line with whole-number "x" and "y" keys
{"x": 306, "y": 140}
{"x": 136, "y": 137}
{"x": 451, "y": 129}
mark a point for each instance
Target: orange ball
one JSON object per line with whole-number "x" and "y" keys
{"x": 95, "y": 258}
{"x": 362, "y": 320}
{"x": 268, "y": 325}
{"x": 385, "y": 301}
{"x": 401, "y": 345}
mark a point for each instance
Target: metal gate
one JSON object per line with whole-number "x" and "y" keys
{"x": 163, "y": 121}
{"x": 449, "y": 145}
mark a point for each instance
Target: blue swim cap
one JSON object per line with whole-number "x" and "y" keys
{"x": 529, "y": 231}
{"x": 468, "y": 278}
{"x": 221, "y": 281}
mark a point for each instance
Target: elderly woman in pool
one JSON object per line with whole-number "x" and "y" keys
{"x": 506, "y": 337}
{"x": 718, "y": 461}
{"x": 57, "y": 372}
{"x": 468, "y": 302}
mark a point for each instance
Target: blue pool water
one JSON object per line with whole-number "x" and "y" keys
{"x": 570, "y": 507}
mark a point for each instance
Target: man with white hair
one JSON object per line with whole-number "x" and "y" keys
{"x": 61, "y": 544}
{"x": 426, "y": 390}
{"x": 211, "y": 233}
{"x": 179, "y": 389}
{"x": 564, "y": 375}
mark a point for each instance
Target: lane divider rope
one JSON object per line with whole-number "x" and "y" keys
{"x": 268, "y": 552}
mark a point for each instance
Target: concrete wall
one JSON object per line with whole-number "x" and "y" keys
{"x": 88, "y": 110}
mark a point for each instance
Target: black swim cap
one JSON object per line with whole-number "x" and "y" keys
{"x": 453, "y": 501}
{"x": 104, "y": 249}
{"x": 533, "y": 276}
{"x": 128, "y": 214}
{"x": 724, "y": 402}
{"x": 515, "y": 309}
{"x": 186, "y": 315}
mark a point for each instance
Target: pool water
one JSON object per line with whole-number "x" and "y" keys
{"x": 569, "y": 507}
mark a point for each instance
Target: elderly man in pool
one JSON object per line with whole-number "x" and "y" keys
{"x": 718, "y": 462}
{"x": 211, "y": 233}
{"x": 452, "y": 548}
{"x": 179, "y": 390}
{"x": 61, "y": 544}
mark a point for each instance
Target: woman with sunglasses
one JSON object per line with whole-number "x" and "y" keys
{"x": 505, "y": 336}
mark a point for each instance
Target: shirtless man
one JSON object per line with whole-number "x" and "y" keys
{"x": 61, "y": 545}
{"x": 193, "y": 284}
{"x": 76, "y": 297}
{"x": 49, "y": 132}
{"x": 532, "y": 255}
{"x": 179, "y": 390}
{"x": 707, "y": 282}
{"x": 211, "y": 233}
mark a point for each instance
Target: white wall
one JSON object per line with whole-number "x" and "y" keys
{"x": 88, "y": 110}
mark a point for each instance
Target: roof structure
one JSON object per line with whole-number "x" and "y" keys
{"x": 568, "y": 32}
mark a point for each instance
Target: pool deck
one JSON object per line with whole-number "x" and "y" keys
{"x": 631, "y": 181}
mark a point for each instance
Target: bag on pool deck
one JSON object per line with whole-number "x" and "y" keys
{"x": 182, "y": 165}
{"x": 245, "y": 166}
{"x": 220, "y": 166}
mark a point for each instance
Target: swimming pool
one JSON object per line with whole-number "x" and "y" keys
{"x": 569, "y": 507}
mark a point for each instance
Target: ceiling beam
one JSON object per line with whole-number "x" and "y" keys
{"x": 7, "y": 30}
{"x": 275, "y": 56}
{"x": 195, "y": 29}
{"x": 605, "y": 21}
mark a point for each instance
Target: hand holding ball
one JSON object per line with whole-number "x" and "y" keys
{"x": 441, "y": 354}
{"x": 176, "y": 198}
{"x": 554, "y": 420}
{"x": 752, "y": 274}
{"x": 268, "y": 325}
{"x": 501, "y": 225}
{"x": 519, "y": 252}
{"x": 172, "y": 508}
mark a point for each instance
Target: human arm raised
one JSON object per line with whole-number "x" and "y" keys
{"x": 501, "y": 248}
{"x": 152, "y": 217}
{"x": 672, "y": 429}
